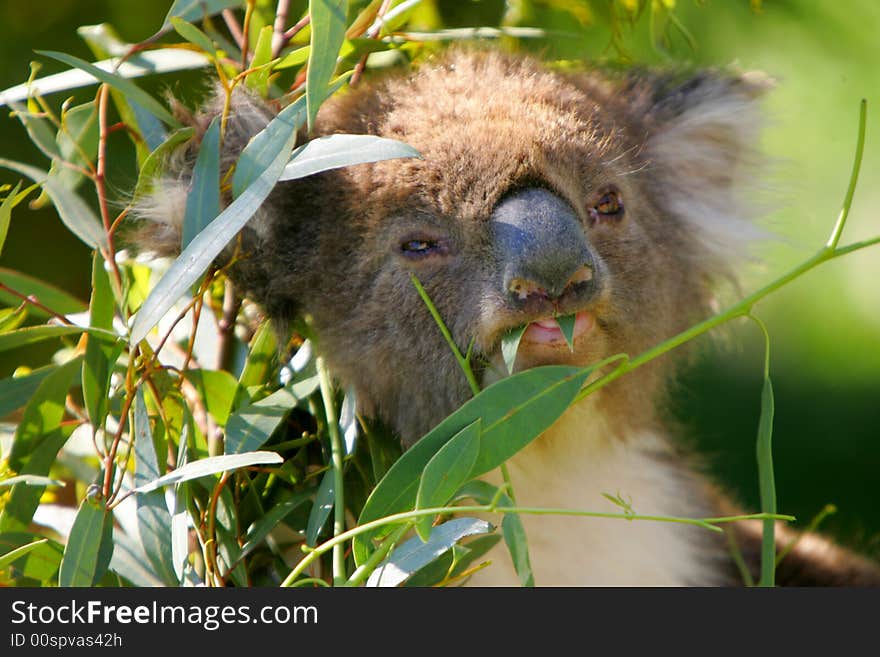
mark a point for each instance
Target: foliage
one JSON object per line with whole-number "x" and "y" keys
{"x": 195, "y": 448}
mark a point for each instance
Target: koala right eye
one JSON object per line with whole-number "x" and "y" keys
{"x": 421, "y": 248}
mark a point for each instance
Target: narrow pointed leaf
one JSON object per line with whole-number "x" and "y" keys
{"x": 324, "y": 501}
{"x": 72, "y": 210}
{"x": 89, "y": 547}
{"x": 510, "y": 345}
{"x": 209, "y": 466}
{"x": 117, "y": 81}
{"x": 193, "y": 34}
{"x": 16, "y": 391}
{"x": 6, "y": 213}
{"x": 250, "y": 427}
{"x": 266, "y": 523}
{"x": 414, "y": 554}
{"x": 566, "y": 325}
{"x": 30, "y": 480}
{"x": 259, "y": 79}
{"x": 146, "y": 63}
{"x": 514, "y": 411}
{"x": 17, "y": 553}
{"x": 48, "y": 295}
{"x": 446, "y": 472}
{"x": 32, "y": 334}
{"x": 207, "y": 245}
{"x": 40, "y": 563}
{"x": 195, "y": 10}
{"x": 154, "y": 519}
{"x": 341, "y": 150}
{"x": 328, "y": 19}
{"x": 100, "y": 354}
{"x": 267, "y": 145}
{"x": 152, "y": 166}
{"x": 203, "y": 199}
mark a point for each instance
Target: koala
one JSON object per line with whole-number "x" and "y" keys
{"x": 620, "y": 199}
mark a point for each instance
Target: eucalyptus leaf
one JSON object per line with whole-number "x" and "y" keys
{"x": 152, "y": 166}
{"x": 514, "y": 411}
{"x": 325, "y": 498}
{"x": 510, "y": 345}
{"x": 203, "y": 199}
{"x": 208, "y": 244}
{"x": 40, "y": 563}
{"x": 89, "y": 547}
{"x": 154, "y": 519}
{"x": 72, "y": 210}
{"x": 566, "y": 325}
{"x": 118, "y": 81}
{"x": 447, "y": 470}
{"x": 414, "y": 554}
{"x": 194, "y": 35}
{"x": 341, "y": 150}
{"x": 194, "y": 10}
{"x": 30, "y": 480}
{"x": 209, "y": 466}
{"x": 327, "y": 22}
{"x": 250, "y": 427}
{"x": 48, "y": 295}
{"x": 147, "y": 62}
{"x": 6, "y": 213}
{"x": 17, "y": 553}
{"x": 100, "y": 354}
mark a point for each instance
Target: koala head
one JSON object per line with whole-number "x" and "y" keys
{"x": 538, "y": 193}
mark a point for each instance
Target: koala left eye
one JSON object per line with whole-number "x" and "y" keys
{"x": 608, "y": 206}
{"x": 422, "y": 247}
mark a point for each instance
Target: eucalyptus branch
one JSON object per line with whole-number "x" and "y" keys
{"x": 408, "y": 516}
{"x": 336, "y": 457}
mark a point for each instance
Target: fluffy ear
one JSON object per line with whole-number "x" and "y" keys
{"x": 702, "y": 144}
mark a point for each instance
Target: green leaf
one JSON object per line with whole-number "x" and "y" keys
{"x": 453, "y": 563}
{"x": 152, "y": 167}
{"x": 250, "y": 427}
{"x": 49, "y": 295}
{"x": 446, "y": 472}
{"x": 514, "y": 411}
{"x": 414, "y": 555}
{"x": 510, "y": 345}
{"x": 154, "y": 519}
{"x": 259, "y": 79}
{"x": 208, "y": 244}
{"x": 194, "y": 10}
{"x": 72, "y": 210}
{"x": 32, "y": 334}
{"x": 17, "y": 553}
{"x": 147, "y": 62}
{"x": 124, "y": 85}
{"x": 6, "y": 213}
{"x": 77, "y": 143}
{"x": 219, "y": 391}
{"x": 203, "y": 199}
{"x": 512, "y": 528}
{"x": 39, "y": 129}
{"x": 89, "y": 547}
{"x": 767, "y": 482}
{"x": 209, "y": 466}
{"x": 566, "y": 325}
{"x": 194, "y": 35}
{"x": 42, "y": 415}
{"x": 101, "y": 354}
{"x": 266, "y": 146}
{"x": 40, "y": 563}
{"x": 12, "y": 318}
{"x": 341, "y": 150}
{"x": 267, "y": 522}
{"x": 324, "y": 500}
{"x": 328, "y": 32}
{"x": 261, "y": 356}
{"x": 30, "y": 480}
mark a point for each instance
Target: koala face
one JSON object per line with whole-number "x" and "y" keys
{"x": 538, "y": 194}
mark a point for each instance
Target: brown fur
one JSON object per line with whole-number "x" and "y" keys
{"x": 486, "y": 124}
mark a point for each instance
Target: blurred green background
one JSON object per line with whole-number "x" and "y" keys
{"x": 825, "y": 327}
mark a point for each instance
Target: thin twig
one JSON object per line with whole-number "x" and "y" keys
{"x": 278, "y": 27}
{"x": 233, "y": 27}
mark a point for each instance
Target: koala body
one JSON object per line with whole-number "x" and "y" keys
{"x": 616, "y": 199}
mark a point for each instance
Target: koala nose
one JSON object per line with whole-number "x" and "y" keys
{"x": 541, "y": 246}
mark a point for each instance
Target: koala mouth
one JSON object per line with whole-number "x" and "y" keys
{"x": 546, "y": 332}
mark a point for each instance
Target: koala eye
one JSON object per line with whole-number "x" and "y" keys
{"x": 609, "y": 206}
{"x": 422, "y": 247}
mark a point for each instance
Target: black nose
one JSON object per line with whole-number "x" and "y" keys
{"x": 541, "y": 245}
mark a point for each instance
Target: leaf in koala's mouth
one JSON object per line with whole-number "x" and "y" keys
{"x": 510, "y": 345}
{"x": 566, "y": 325}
